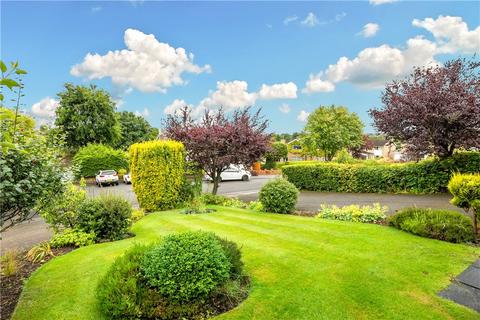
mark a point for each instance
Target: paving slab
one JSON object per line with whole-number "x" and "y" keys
{"x": 465, "y": 289}
{"x": 462, "y": 294}
{"x": 470, "y": 277}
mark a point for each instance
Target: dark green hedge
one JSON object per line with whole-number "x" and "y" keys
{"x": 94, "y": 157}
{"x": 428, "y": 176}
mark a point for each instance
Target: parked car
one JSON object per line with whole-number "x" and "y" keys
{"x": 233, "y": 173}
{"x": 109, "y": 177}
{"x": 126, "y": 178}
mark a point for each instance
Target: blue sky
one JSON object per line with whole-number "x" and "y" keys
{"x": 293, "y": 50}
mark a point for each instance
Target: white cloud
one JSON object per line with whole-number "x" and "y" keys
{"x": 176, "y": 105}
{"x": 369, "y": 30}
{"x": 278, "y": 91}
{"x": 452, "y": 34}
{"x": 373, "y": 67}
{"x": 45, "y": 108}
{"x": 340, "y": 16}
{"x": 316, "y": 84}
{"x": 231, "y": 95}
{"x": 379, "y": 2}
{"x": 310, "y": 20}
{"x": 144, "y": 113}
{"x": 284, "y": 108}
{"x": 269, "y": 26}
{"x": 303, "y": 116}
{"x": 96, "y": 9}
{"x": 147, "y": 64}
{"x": 289, "y": 20}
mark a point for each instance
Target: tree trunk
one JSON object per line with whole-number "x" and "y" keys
{"x": 216, "y": 181}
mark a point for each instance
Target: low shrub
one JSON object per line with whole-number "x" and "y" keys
{"x": 444, "y": 225}
{"x": 255, "y": 206}
{"x": 39, "y": 252}
{"x": 158, "y": 174}
{"x": 186, "y": 267}
{"x": 62, "y": 209}
{"x": 278, "y": 196}
{"x": 427, "y": 176}
{"x": 123, "y": 292}
{"x": 196, "y": 206}
{"x": 95, "y": 157}
{"x": 219, "y": 200}
{"x": 72, "y": 238}
{"x": 366, "y": 214}
{"x": 109, "y": 216}
{"x": 465, "y": 189}
{"x": 9, "y": 263}
{"x": 234, "y": 256}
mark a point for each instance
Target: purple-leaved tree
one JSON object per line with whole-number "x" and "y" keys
{"x": 433, "y": 111}
{"x": 216, "y": 140}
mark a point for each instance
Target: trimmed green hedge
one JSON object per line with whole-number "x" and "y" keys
{"x": 428, "y": 176}
{"x": 157, "y": 169}
{"x": 95, "y": 157}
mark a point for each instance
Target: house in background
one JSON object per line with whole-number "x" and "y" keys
{"x": 385, "y": 150}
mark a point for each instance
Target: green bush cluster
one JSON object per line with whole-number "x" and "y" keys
{"x": 278, "y": 196}
{"x": 219, "y": 200}
{"x": 444, "y": 225}
{"x": 72, "y": 238}
{"x": 366, "y": 214}
{"x": 427, "y": 176}
{"x": 107, "y": 216}
{"x": 73, "y": 216}
{"x": 186, "y": 266}
{"x": 157, "y": 169}
{"x": 95, "y": 157}
{"x": 188, "y": 276}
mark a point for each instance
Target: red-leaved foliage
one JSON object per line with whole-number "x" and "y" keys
{"x": 435, "y": 110}
{"x": 216, "y": 140}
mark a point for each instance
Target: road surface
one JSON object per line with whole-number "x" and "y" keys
{"x": 27, "y": 234}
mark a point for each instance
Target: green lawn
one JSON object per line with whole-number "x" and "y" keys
{"x": 301, "y": 268}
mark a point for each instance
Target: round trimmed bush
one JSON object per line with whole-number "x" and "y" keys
{"x": 444, "y": 225}
{"x": 124, "y": 291}
{"x": 109, "y": 217}
{"x": 95, "y": 157}
{"x": 121, "y": 293}
{"x": 278, "y": 196}
{"x": 186, "y": 266}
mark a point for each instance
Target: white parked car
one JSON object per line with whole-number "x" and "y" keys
{"x": 233, "y": 173}
{"x": 127, "y": 179}
{"x": 106, "y": 177}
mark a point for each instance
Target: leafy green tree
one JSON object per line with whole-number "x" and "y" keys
{"x": 14, "y": 125}
{"x": 29, "y": 173}
{"x": 330, "y": 129}
{"x": 134, "y": 129}
{"x": 87, "y": 115}
{"x": 278, "y": 151}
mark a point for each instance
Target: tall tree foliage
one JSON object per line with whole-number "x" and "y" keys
{"x": 216, "y": 141}
{"x": 330, "y": 129}
{"x": 134, "y": 129}
{"x": 433, "y": 111}
{"x": 358, "y": 151}
{"x": 87, "y": 115}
